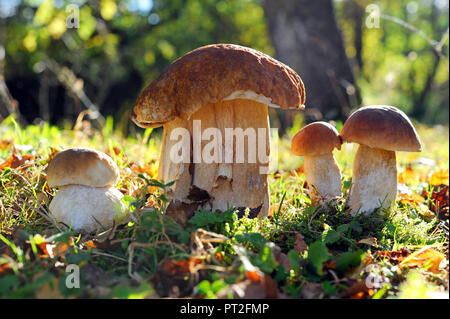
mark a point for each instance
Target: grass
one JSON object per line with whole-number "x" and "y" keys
{"x": 300, "y": 251}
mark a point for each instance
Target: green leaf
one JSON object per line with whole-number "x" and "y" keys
{"x": 349, "y": 260}
{"x": 294, "y": 259}
{"x": 317, "y": 255}
{"x": 255, "y": 239}
{"x": 8, "y": 283}
{"x": 218, "y": 285}
{"x": 129, "y": 292}
{"x": 342, "y": 228}
{"x": 60, "y": 237}
{"x": 77, "y": 258}
{"x": 265, "y": 261}
{"x": 204, "y": 287}
{"x": 331, "y": 236}
{"x": 205, "y": 218}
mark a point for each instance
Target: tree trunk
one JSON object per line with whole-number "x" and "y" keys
{"x": 306, "y": 37}
{"x": 8, "y": 105}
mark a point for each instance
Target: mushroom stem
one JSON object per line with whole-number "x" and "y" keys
{"x": 323, "y": 177}
{"x": 374, "y": 182}
{"x": 227, "y": 183}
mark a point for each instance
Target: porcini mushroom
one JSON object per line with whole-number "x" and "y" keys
{"x": 86, "y": 199}
{"x": 381, "y": 131}
{"x": 316, "y": 142}
{"x": 225, "y": 87}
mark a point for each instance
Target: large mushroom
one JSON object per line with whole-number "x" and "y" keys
{"x": 381, "y": 131}
{"x": 86, "y": 199}
{"x": 316, "y": 142}
{"x": 210, "y": 92}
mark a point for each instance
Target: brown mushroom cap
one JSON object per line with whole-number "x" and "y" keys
{"x": 82, "y": 166}
{"x": 214, "y": 73}
{"x": 315, "y": 139}
{"x": 381, "y": 126}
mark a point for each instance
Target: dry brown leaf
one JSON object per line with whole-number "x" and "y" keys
{"x": 53, "y": 152}
{"x": 49, "y": 290}
{"x": 16, "y": 161}
{"x": 427, "y": 257}
{"x": 356, "y": 291}
{"x": 412, "y": 198}
{"x": 394, "y": 257}
{"x": 299, "y": 244}
{"x": 180, "y": 212}
{"x": 371, "y": 241}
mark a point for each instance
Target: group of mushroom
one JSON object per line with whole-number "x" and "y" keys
{"x": 380, "y": 131}
{"x": 225, "y": 87}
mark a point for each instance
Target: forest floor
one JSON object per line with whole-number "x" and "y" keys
{"x": 299, "y": 251}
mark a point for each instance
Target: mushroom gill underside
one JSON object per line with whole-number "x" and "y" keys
{"x": 221, "y": 181}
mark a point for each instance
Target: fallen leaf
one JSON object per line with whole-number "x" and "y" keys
{"x": 5, "y": 269}
{"x": 439, "y": 178}
{"x": 15, "y": 161}
{"x": 49, "y": 290}
{"x": 172, "y": 277}
{"x": 4, "y": 145}
{"x": 394, "y": 257}
{"x": 150, "y": 169}
{"x": 254, "y": 275}
{"x": 299, "y": 244}
{"x": 180, "y": 267}
{"x": 371, "y": 241}
{"x": 180, "y": 212}
{"x": 356, "y": 291}
{"x": 409, "y": 176}
{"x": 53, "y": 152}
{"x": 439, "y": 199}
{"x": 412, "y": 198}
{"x": 427, "y": 257}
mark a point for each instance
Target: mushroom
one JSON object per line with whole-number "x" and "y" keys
{"x": 381, "y": 131}
{"x": 86, "y": 199}
{"x": 316, "y": 143}
{"x": 210, "y": 92}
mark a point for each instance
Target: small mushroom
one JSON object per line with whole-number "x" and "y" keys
{"x": 223, "y": 87}
{"x": 316, "y": 143}
{"x": 86, "y": 199}
{"x": 380, "y": 131}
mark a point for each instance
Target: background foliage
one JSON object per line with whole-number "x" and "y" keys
{"x": 121, "y": 45}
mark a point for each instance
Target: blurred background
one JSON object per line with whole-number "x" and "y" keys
{"x": 61, "y": 58}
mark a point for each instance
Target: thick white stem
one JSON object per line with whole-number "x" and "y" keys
{"x": 228, "y": 184}
{"x": 323, "y": 177}
{"x": 84, "y": 207}
{"x": 374, "y": 182}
